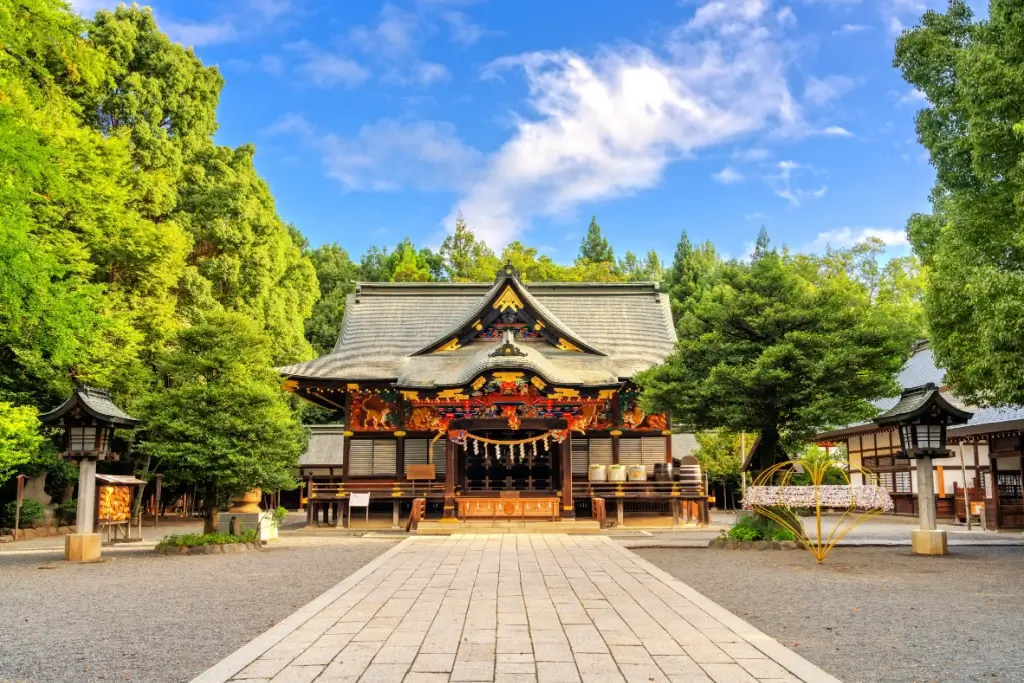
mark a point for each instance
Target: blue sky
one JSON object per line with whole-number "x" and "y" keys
{"x": 374, "y": 121}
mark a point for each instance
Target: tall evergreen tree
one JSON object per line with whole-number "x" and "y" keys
{"x": 594, "y": 247}
{"x": 465, "y": 258}
{"x": 691, "y": 274}
{"x": 336, "y": 275}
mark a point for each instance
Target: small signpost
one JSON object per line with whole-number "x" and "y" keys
{"x": 17, "y": 507}
{"x": 358, "y": 500}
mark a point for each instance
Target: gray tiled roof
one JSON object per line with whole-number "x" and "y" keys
{"x": 387, "y": 322}
{"x": 920, "y": 369}
{"x": 95, "y": 402}
{"x": 326, "y": 447}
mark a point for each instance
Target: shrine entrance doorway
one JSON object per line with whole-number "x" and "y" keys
{"x": 493, "y": 468}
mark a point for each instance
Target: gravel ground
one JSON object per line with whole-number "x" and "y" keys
{"x": 874, "y": 614}
{"x": 143, "y": 617}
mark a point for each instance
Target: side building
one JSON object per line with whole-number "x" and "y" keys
{"x": 985, "y": 455}
{"x": 470, "y": 393}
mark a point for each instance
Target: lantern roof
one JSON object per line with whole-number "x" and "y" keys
{"x": 93, "y": 402}
{"x": 923, "y": 401}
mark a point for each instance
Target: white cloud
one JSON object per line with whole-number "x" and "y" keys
{"x": 463, "y": 30}
{"x": 837, "y": 131}
{"x": 609, "y": 125}
{"x": 393, "y": 36}
{"x": 390, "y": 154}
{"x": 272, "y": 64}
{"x": 912, "y": 96}
{"x": 250, "y": 18}
{"x": 727, "y": 176}
{"x": 850, "y": 29}
{"x": 327, "y": 69}
{"x": 784, "y": 182}
{"x": 420, "y": 73}
{"x": 847, "y": 237}
{"x": 786, "y": 17}
{"x": 821, "y": 91}
{"x": 752, "y": 154}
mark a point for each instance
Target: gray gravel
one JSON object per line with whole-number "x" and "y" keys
{"x": 874, "y": 614}
{"x": 143, "y": 617}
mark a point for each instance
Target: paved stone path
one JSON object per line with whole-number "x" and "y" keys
{"x": 512, "y": 608}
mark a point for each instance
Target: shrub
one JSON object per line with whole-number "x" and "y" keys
{"x": 780, "y": 534}
{"x": 31, "y": 512}
{"x": 746, "y": 530}
{"x": 66, "y": 512}
{"x": 196, "y": 540}
{"x": 279, "y": 516}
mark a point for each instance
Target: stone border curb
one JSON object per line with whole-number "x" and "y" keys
{"x": 796, "y": 664}
{"x": 211, "y": 549}
{"x": 222, "y": 671}
{"x": 733, "y": 544}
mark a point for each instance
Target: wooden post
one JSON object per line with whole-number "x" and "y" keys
{"x": 394, "y": 514}
{"x": 449, "y": 481}
{"x": 568, "y": 507}
{"x": 967, "y": 499}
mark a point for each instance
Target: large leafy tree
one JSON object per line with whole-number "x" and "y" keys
{"x": 972, "y": 74}
{"x": 767, "y": 350}
{"x": 222, "y": 423}
{"x": 20, "y": 438}
{"x": 336, "y": 275}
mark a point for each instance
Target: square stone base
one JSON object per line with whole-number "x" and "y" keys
{"x": 928, "y": 542}
{"x": 82, "y": 547}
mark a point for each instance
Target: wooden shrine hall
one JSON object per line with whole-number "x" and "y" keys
{"x": 496, "y": 401}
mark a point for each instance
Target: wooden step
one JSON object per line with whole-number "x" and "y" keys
{"x": 441, "y": 528}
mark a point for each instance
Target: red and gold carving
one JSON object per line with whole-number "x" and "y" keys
{"x": 424, "y": 419}
{"x": 373, "y": 412}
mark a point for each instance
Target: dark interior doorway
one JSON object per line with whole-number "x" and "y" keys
{"x": 494, "y": 467}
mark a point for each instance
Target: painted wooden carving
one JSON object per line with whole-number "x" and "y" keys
{"x": 374, "y": 411}
{"x": 633, "y": 418}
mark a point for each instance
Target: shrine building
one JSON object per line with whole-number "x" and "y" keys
{"x": 492, "y": 400}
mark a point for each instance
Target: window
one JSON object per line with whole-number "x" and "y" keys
{"x": 646, "y": 451}
{"x": 416, "y": 454}
{"x": 372, "y": 457}
{"x": 587, "y": 452}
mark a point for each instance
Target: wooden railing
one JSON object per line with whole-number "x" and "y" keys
{"x": 377, "y": 489}
{"x": 638, "y": 489}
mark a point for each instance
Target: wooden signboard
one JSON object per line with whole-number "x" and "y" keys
{"x": 415, "y": 472}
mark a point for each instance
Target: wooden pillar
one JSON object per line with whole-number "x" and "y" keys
{"x": 568, "y": 507}
{"x": 449, "y": 481}
{"x": 394, "y": 514}
{"x": 400, "y": 456}
{"x": 615, "y": 447}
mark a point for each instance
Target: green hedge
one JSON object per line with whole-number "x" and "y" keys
{"x": 757, "y": 528}
{"x": 197, "y": 540}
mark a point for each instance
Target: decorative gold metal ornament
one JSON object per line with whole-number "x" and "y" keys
{"x": 450, "y": 346}
{"x": 567, "y": 345}
{"x": 508, "y": 299}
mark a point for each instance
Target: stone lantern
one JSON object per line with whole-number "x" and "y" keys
{"x": 88, "y": 419}
{"x": 922, "y": 415}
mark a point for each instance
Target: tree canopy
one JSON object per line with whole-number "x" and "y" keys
{"x": 972, "y": 73}
{"x": 768, "y": 350}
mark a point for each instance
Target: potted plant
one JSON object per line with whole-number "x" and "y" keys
{"x": 616, "y": 473}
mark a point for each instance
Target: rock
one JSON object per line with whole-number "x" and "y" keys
{"x": 763, "y": 545}
{"x": 25, "y": 533}
{"x": 231, "y": 548}
{"x": 790, "y": 545}
{"x": 746, "y": 545}
{"x": 181, "y": 551}
{"x": 64, "y": 530}
{"x": 732, "y": 545}
{"x": 256, "y": 545}
{"x": 6, "y": 538}
{"x": 198, "y": 550}
{"x": 776, "y": 545}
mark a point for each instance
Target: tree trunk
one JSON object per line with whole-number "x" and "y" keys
{"x": 211, "y": 520}
{"x": 767, "y": 451}
{"x": 144, "y": 476}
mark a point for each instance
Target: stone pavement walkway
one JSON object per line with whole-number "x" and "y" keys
{"x": 545, "y": 609}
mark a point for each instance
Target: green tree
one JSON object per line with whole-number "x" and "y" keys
{"x": 222, "y": 423}
{"x": 336, "y": 275}
{"x": 410, "y": 265}
{"x": 691, "y": 274}
{"x": 769, "y": 351}
{"x": 595, "y": 248}
{"x": 20, "y": 437}
{"x": 972, "y": 74}
{"x": 465, "y": 258}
